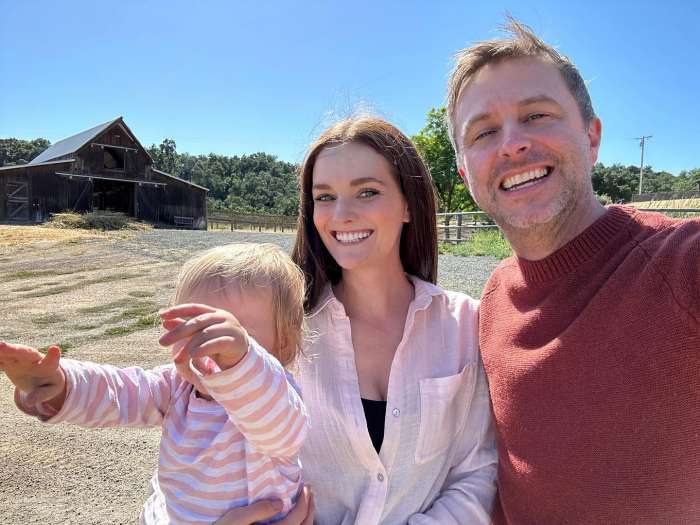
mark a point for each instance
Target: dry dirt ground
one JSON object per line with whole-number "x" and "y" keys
{"x": 96, "y": 295}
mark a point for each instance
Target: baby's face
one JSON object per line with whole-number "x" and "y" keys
{"x": 252, "y": 307}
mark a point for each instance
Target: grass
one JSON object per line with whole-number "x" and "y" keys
{"x": 482, "y": 243}
{"x": 106, "y": 307}
{"x": 65, "y": 346}
{"x": 136, "y": 311}
{"x": 96, "y": 220}
{"x": 32, "y": 274}
{"x": 141, "y": 293}
{"x": 47, "y": 319}
{"x": 70, "y": 287}
{"x": 144, "y": 322}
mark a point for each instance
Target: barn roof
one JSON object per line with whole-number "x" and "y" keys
{"x": 71, "y": 144}
{"x": 180, "y": 180}
{"x": 21, "y": 166}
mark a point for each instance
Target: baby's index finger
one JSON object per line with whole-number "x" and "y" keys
{"x": 19, "y": 353}
{"x": 185, "y": 311}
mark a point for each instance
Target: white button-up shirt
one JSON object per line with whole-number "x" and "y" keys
{"x": 437, "y": 463}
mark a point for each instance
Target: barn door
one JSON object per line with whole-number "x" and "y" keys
{"x": 148, "y": 203}
{"x": 81, "y": 196}
{"x": 17, "y": 201}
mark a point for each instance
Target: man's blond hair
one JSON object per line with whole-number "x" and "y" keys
{"x": 521, "y": 43}
{"x": 251, "y": 266}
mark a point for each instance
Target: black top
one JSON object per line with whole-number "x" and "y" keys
{"x": 375, "y": 411}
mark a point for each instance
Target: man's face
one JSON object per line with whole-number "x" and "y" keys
{"x": 525, "y": 152}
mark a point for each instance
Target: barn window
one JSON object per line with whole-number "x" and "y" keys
{"x": 113, "y": 159}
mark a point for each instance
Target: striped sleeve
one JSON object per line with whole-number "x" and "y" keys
{"x": 263, "y": 401}
{"x": 101, "y": 396}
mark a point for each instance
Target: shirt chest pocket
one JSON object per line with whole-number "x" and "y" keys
{"x": 444, "y": 403}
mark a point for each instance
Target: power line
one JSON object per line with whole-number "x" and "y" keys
{"x": 642, "y": 141}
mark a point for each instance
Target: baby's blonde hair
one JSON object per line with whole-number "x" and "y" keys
{"x": 251, "y": 265}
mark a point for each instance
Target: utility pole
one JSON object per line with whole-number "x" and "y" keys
{"x": 642, "y": 140}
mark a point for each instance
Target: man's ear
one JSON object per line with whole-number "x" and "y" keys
{"x": 463, "y": 175}
{"x": 595, "y": 133}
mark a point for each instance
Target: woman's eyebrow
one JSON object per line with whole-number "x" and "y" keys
{"x": 354, "y": 182}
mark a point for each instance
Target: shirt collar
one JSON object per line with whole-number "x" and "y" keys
{"x": 424, "y": 293}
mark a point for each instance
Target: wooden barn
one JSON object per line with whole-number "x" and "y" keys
{"x": 102, "y": 168}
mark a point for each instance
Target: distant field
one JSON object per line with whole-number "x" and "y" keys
{"x": 674, "y": 204}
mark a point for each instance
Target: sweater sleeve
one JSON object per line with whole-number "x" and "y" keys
{"x": 469, "y": 490}
{"x": 100, "y": 396}
{"x": 263, "y": 401}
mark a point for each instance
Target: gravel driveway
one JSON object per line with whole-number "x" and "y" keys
{"x": 95, "y": 296}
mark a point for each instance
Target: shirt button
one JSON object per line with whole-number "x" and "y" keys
{"x": 396, "y": 412}
{"x": 380, "y": 477}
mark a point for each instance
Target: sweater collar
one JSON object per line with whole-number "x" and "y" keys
{"x": 580, "y": 249}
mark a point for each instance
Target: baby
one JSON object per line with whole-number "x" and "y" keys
{"x": 232, "y": 419}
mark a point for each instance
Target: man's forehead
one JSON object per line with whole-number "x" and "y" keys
{"x": 513, "y": 81}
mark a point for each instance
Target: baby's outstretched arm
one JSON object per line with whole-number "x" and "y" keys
{"x": 35, "y": 374}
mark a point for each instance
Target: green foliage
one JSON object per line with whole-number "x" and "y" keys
{"x": 620, "y": 182}
{"x": 483, "y": 242}
{"x": 433, "y": 143}
{"x": 17, "y": 151}
{"x": 257, "y": 183}
{"x": 604, "y": 199}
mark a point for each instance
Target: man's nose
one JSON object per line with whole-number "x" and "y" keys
{"x": 514, "y": 142}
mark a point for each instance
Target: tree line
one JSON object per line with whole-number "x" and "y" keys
{"x": 261, "y": 183}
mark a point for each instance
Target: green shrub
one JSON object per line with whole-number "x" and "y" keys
{"x": 483, "y": 242}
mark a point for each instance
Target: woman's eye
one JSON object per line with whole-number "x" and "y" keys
{"x": 323, "y": 197}
{"x": 368, "y": 193}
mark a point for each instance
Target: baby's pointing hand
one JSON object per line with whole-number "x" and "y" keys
{"x": 205, "y": 331}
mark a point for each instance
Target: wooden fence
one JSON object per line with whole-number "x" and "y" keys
{"x": 459, "y": 226}
{"x": 251, "y": 221}
{"x": 452, "y": 227}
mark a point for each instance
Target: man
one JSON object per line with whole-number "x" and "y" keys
{"x": 590, "y": 334}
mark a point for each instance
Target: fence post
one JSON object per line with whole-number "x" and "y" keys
{"x": 459, "y": 227}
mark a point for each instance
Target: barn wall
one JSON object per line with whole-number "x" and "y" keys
{"x": 44, "y": 189}
{"x": 92, "y": 156}
{"x": 182, "y": 200}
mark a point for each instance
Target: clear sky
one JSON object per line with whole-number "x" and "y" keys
{"x": 236, "y": 77}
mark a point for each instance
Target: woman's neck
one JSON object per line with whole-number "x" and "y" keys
{"x": 374, "y": 293}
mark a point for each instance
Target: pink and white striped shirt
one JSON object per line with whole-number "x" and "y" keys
{"x": 214, "y": 455}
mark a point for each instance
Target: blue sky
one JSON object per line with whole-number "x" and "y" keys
{"x": 236, "y": 77}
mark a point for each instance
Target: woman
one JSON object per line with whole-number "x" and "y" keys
{"x": 401, "y": 429}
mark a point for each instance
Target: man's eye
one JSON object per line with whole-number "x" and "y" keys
{"x": 536, "y": 116}
{"x": 368, "y": 193}
{"x": 484, "y": 134}
{"x": 323, "y": 197}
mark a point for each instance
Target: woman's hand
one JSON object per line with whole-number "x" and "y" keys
{"x": 301, "y": 514}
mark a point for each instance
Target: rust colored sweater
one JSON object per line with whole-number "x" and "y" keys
{"x": 593, "y": 361}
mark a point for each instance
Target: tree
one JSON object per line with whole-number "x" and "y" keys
{"x": 433, "y": 143}
{"x": 165, "y": 157}
{"x": 17, "y": 151}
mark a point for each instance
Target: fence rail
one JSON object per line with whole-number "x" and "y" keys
{"x": 452, "y": 227}
{"x": 459, "y": 226}
{"x": 251, "y": 221}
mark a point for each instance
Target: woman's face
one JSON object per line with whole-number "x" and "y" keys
{"x": 359, "y": 209}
